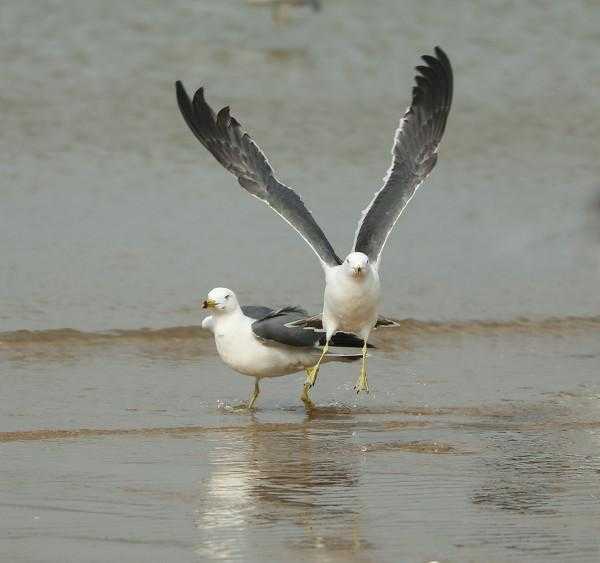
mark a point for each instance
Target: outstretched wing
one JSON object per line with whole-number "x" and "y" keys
{"x": 224, "y": 138}
{"x": 414, "y": 153}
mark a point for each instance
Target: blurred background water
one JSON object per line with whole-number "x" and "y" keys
{"x": 114, "y": 216}
{"x": 479, "y": 441}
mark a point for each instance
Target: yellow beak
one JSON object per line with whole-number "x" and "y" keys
{"x": 209, "y": 304}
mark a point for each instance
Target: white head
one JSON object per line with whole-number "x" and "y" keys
{"x": 221, "y": 300}
{"x": 356, "y": 264}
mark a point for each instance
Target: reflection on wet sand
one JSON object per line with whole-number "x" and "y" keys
{"x": 299, "y": 478}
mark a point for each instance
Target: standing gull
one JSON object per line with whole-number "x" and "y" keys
{"x": 352, "y": 288}
{"x": 256, "y": 341}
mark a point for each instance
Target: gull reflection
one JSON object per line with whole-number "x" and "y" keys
{"x": 274, "y": 485}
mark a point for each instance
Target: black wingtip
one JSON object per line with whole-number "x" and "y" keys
{"x": 432, "y": 62}
{"x": 441, "y": 54}
{"x": 223, "y": 117}
{"x": 199, "y": 95}
{"x": 184, "y": 102}
{"x": 180, "y": 90}
{"x": 440, "y": 59}
{"x": 433, "y": 79}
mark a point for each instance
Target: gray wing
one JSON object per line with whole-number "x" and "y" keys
{"x": 272, "y": 328}
{"x": 223, "y": 137}
{"x": 414, "y": 153}
{"x": 280, "y": 327}
{"x": 315, "y": 323}
{"x": 256, "y": 311}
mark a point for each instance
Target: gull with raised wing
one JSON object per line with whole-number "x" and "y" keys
{"x": 352, "y": 287}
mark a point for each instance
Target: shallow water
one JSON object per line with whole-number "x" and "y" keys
{"x": 479, "y": 441}
{"x": 476, "y": 443}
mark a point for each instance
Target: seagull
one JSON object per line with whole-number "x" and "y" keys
{"x": 256, "y": 341}
{"x": 352, "y": 286}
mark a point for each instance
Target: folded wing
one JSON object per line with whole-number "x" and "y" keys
{"x": 278, "y": 327}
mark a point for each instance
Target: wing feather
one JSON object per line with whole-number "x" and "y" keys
{"x": 273, "y": 328}
{"x": 414, "y": 153}
{"x": 256, "y": 311}
{"x": 278, "y": 327}
{"x": 235, "y": 150}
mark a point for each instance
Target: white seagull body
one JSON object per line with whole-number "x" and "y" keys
{"x": 243, "y": 352}
{"x": 257, "y": 342}
{"x": 340, "y": 290}
{"x": 352, "y": 288}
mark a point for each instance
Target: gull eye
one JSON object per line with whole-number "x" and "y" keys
{"x": 228, "y": 296}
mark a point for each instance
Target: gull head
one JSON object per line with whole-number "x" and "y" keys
{"x": 356, "y": 264}
{"x": 221, "y": 300}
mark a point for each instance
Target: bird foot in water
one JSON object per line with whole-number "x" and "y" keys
{"x": 362, "y": 384}
{"x": 240, "y": 408}
{"x": 308, "y": 404}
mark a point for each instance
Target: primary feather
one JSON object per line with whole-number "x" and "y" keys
{"x": 224, "y": 138}
{"x": 414, "y": 153}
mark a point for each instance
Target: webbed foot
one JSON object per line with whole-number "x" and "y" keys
{"x": 308, "y": 404}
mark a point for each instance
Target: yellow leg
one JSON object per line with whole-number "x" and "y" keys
{"x": 254, "y": 396}
{"x": 311, "y": 373}
{"x": 362, "y": 384}
{"x": 305, "y": 398}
